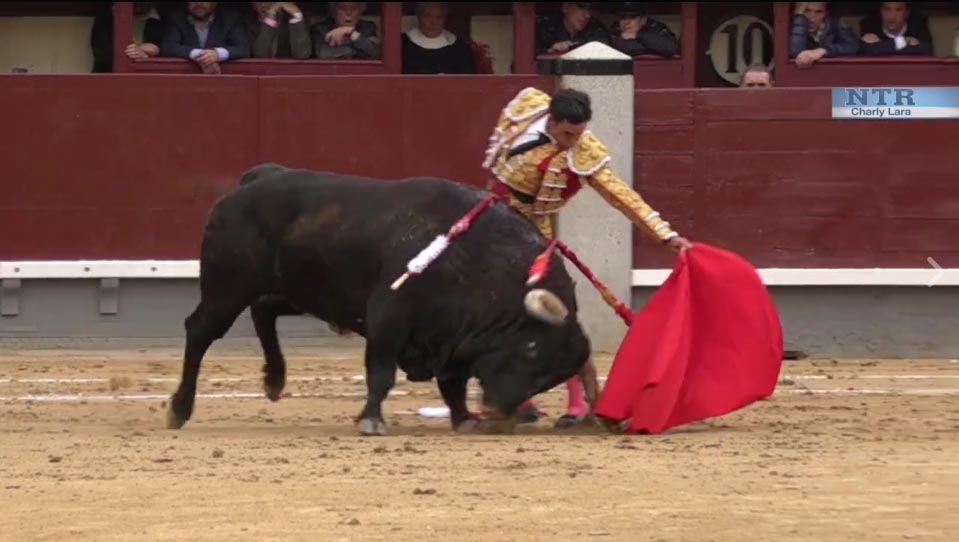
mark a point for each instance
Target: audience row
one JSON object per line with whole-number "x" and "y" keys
{"x": 894, "y": 30}
{"x": 210, "y": 34}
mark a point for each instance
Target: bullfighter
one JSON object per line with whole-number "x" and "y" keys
{"x": 540, "y": 155}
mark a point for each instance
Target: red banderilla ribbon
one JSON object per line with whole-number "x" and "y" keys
{"x": 541, "y": 266}
{"x": 426, "y": 256}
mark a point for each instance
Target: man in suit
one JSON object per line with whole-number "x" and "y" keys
{"x": 279, "y": 30}
{"x": 895, "y": 31}
{"x": 206, "y": 35}
{"x": 344, "y": 35}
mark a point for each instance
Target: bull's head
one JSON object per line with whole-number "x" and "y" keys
{"x": 549, "y": 308}
{"x": 543, "y": 349}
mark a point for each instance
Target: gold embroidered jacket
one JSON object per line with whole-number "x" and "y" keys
{"x": 542, "y": 180}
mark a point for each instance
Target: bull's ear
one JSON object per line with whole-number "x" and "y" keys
{"x": 546, "y": 306}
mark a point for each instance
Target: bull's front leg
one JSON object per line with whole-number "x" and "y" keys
{"x": 453, "y": 390}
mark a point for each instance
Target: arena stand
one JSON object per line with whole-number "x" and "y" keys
{"x": 110, "y": 175}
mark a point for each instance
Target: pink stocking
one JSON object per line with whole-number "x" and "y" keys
{"x": 576, "y": 404}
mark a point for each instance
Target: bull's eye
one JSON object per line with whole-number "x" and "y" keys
{"x": 531, "y": 349}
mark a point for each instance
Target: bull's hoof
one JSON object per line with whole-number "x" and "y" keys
{"x": 527, "y": 414}
{"x": 273, "y": 393}
{"x": 178, "y": 413}
{"x": 173, "y": 421}
{"x": 273, "y": 383}
{"x": 472, "y": 424}
{"x": 372, "y": 427}
{"x": 479, "y": 426}
{"x": 498, "y": 427}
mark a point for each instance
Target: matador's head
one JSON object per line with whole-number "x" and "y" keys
{"x": 569, "y": 114}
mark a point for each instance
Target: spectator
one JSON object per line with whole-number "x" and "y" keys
{"x": 206, "y": 35}
{"x": 895, "y": 30}
{"x": 756, "y": 75}
{"x": 817, "y": 34}
{"x": 147, "y": 35}
{"x": 345, "y": 35}
{"x": 576, "y": 27}
{"x": 430, "y": 48}
{"x": 636, "y": 34}
{"x": 279, "y": 30}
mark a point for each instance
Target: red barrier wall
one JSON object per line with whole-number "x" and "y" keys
{"x": 385, "y": 126}
{"x": 770, "y": 175}
{"x": 127, "y": 166}
{"x": 118, "y": 167}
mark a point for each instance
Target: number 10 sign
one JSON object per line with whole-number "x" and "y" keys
{"x": 738, "y": 42}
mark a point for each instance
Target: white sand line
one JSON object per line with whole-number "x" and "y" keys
{"x": 259, "y": 395}
{"x": 872, "y": 391}
{"x": 168, "y": 379}
{"x": 362, "y": 378}
{"x": 75, "y": 398}
{"x": 869, "y": 377}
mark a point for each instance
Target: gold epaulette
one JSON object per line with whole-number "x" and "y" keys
{"x": 524, "y": 109}
{"x": 589, "y": 155}
{"x": 526, "y": 104}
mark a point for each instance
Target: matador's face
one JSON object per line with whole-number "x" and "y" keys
{"x": 565, "y": 133}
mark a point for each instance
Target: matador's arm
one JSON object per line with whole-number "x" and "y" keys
{"x": 621, "y": 196}
{"x": 591, "y": 161}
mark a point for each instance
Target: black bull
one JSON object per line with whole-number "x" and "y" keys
{"x": 289, "y": 241}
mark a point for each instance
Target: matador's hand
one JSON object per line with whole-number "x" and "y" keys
{"x": 678, "y": 244}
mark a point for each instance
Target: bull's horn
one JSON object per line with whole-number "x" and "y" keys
{"x": 546, "y": 306}
{"x": 587, "y": 375}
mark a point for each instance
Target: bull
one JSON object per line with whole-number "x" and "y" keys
{"x": 292, "y": 241}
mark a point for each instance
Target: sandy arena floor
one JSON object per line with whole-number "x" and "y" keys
{"x": 847, "y": 450}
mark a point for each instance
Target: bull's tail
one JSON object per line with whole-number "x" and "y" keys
{"x": 261, "y": 171}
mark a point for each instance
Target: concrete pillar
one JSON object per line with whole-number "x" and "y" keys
{"x": 600, "y": 235}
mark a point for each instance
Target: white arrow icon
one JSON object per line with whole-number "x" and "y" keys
{"x": 939, "y": 272}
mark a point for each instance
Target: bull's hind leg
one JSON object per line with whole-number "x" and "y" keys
{"x": 264, "y": 312}
{"x": 209, "y": 322}
{"x": 381, "y": 365}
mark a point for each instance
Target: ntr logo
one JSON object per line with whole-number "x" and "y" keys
{"x": 860, "y": 96}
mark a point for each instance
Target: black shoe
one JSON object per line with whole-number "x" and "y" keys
{"x": 572, "y": 420}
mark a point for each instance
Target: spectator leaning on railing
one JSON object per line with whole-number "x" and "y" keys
{"x": 816, "y": 33}
{"x": 895, "y": 30}
{"x": 344, "y": 35}
{"x": 575, "y": 27}
{"x": 206, "y": 35}
{"x": 147, "y": 34}
{"x": 637, "y": 34}
{"x": 279, "y": 30}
